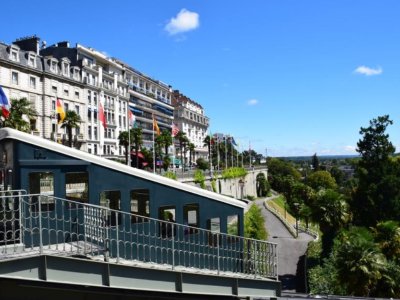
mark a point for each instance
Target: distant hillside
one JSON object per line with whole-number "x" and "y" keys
{"x": 321, "y": 158}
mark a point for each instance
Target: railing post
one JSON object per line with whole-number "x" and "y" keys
{"x": 117, "y": 234}
{"x": 173, "y": 246}
{"x": 218, "y": 266}
{"x": 255, "y": 257}
{"x": 40, "y": 225}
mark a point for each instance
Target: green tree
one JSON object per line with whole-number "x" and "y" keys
{"x": 387, "y": 235}
{"x": 338, "y": 174}
{"x": 377, "y": 196}
{"x": 183, "y": 140}
{"x": 166, "y": 140}
{"x": 123, "y": 138}
{"x": 330, "y": 211}
{"x": 137, "y": 142}
{"x": 254, "y": 224}
{"x": 359, "y": 263}
{"x": 208, "y": 141}
{"x": 191, "y": 148}
{"x": 321, "y": 180}
{"x": 21, "y": 114}
{"x": 315, "y": 162}
{"x": 262, "y": 185}
{"x": 71, "y": 120}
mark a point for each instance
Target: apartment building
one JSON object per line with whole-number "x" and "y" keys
{"x": 83, "y": 79}
{"x": 190, "y": 118}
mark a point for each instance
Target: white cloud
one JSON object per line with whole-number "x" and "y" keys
{"x": 368, "y": 71}
{"x": 351, "y": 149}
{"x": 184, "y": 21}
{"x": 252, "y": 102}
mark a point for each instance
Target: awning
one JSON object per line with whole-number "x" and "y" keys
{"x": 140, "y": 154}
{"x": 135, "y": 110}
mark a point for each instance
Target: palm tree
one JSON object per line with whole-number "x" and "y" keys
{"x": 181, "y": 136}
{"x": 123, "y": 138}
{"x": 21, "y": 115}
{"x": 207, "y": 142}
{"x": 191, "y": 148}
{"x": 360, "y": 264}
{"x": 166, "y": 140}
{"x": 330, "y": 210}
{"x": 137, "y": 141}
{"x": 387, "y": 234}
{"x": 71, "y": 120}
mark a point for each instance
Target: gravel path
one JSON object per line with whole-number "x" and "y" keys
{"x": 290, "y": 251}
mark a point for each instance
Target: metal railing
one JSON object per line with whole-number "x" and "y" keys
{"x": 50, "y": 225}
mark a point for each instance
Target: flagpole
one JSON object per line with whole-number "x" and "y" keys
{"x": 129, "y": 139}
{"x": 210, "y": 155}
{"x": 226, "y": 154}
{"x": 154, "y": 152}
{"x": 218, "y": 153}
{"x": 231, "y": 151}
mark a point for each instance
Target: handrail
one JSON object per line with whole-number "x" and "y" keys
{"x": 47, "y": 224}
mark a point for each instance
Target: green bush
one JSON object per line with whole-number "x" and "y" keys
{"x": 233, "y": 173}
{"x": 200, "y": 178}
{"x": 214, "y": 185}
{"x": 170, "y": 175}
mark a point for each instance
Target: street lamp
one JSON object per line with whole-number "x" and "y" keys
{"x": 241, "y": 185}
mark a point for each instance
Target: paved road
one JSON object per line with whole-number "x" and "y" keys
{"x": 290, "y": 251}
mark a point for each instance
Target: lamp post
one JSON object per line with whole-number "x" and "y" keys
{"x": 241, "y": 185}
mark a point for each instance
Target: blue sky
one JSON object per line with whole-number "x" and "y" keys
{"x": 293, "y": 77}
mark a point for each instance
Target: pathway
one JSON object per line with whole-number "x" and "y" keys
{"x": 290, "y": 251}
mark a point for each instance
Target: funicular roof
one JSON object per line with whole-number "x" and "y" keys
{"x": 9, "y": 133}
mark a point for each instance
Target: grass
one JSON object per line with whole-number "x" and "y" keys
{"x": 279, "y": 204}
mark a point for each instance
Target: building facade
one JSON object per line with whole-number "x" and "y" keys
{"x": 190, "y": 118}
{"x": 84, "y": 80}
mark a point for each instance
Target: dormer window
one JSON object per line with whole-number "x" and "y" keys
{"x": 53, "y": 63}
{"x": 14, "y": 53}
{"x": 32, "y": 60}
{"x": 65, "y": 67}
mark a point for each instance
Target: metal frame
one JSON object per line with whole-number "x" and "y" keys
{"x": 55, "y": 226}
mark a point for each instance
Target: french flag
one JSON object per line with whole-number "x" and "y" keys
{"x": 4, "y": 103}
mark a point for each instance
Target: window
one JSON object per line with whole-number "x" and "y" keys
{"x": 111, "y": 199}
{"x": 14, "y": 77}
{"x": 76, "y": 94}
{"x": 54, "y": 89}
{"x": 214, "y": 225}
{"x": 32, "y": 82}
{"x": 140, "y": 200}
{"x": 77, "y": 109}
{"x": 66, "y": 107}
{"x": 167, "y": 228}
{"x": 32, "y": 60}
{"x": 66, "y": 91}
{"x": 53, "y": 105}
{"x": 191, "y": 217}
{"x": 42, "y": 183}
{"x": 233, "y": 225}
{"x": 14, "y": 55}
{"x": 76, "y": 186}
{"x": 89, "y": 132}
{"x": 53, "y": 66}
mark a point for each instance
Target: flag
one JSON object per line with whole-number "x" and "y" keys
{"x": 60, "y": 111}
{"x": 102, "y": 117}
{"x": 5, "y": 104}
{"x": 233, "y": 142}
{"x": 132, "y": 118}
{"x": 175, "y": 130}
{"x": 155, "y": 126}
